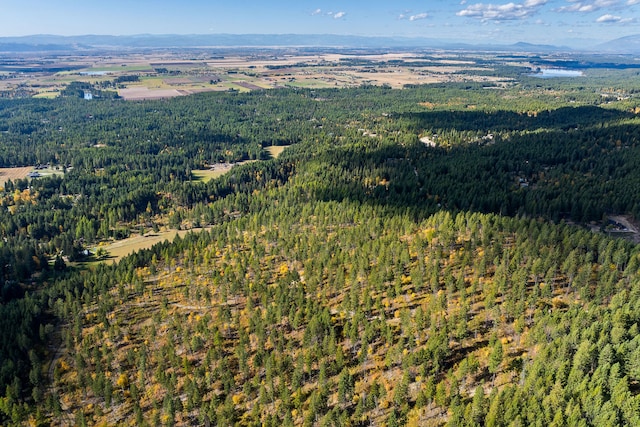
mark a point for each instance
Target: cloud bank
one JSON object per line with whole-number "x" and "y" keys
{"x": 612, "y": 19}
{"x": 587, "y": 6}
{"x": 502, "y": 12}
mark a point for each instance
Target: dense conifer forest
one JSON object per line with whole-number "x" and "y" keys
{"x": 436, "y": 255}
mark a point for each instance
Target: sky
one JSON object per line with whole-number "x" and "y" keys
{"x": 559, "y": 22}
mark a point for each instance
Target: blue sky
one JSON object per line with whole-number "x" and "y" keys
{"x": 535, "y": 21}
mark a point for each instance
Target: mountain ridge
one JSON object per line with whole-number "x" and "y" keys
{"x": 627, "y": 44}
{"x": 45, "y": 42}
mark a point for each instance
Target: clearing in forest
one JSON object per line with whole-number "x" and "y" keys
{"x": 275, "y": 150}
{"x": 219, "y": 169}
{"x": 14, "y": 173}
{"x": 118, "y": 250}
{"x": 22, "y": 172}
{"x": 215, "y": 171}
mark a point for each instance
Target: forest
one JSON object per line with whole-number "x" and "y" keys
{"x": 434, "y": 255}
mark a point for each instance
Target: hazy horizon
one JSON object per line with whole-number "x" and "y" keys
{"x": 558, "y": 22}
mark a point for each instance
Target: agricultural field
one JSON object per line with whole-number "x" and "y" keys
{"x": 165, "y": 76}
{"x": 458, "y": 252}
{"x": 144, "y": 92}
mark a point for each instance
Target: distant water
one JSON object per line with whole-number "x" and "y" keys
{"x": 549, "y": 73}
{"x": 94, "y": 73}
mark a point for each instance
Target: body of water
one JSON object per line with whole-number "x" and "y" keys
{"x": 94, "y": 73}
{"x": 549, "y": 73}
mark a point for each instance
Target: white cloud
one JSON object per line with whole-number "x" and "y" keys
{"x": 502, "y": 12}
{"x": 609, "y": 18}
{"x": 418, "y": 16}
{"x": 632, "y": 2}
{"x": 612, "y": 19}
{"x": 588, "y": 6}
{"x": 334, "y": 15}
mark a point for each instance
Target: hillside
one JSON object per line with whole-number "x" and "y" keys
{"x": 345, "y": 314}
{"x": 444, "y": 254}
{"x": 627, "y": 45}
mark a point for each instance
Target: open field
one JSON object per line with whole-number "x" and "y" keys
{"x": 119, "y": 68}
{"x": 124, "y": 247}
{"x": 23, "y": 172}
{"x": 216, "y": 171}
{"x": 143, "y": 92}
{"x": 311, "y": 83}
{"x": 275, "y": 150}
{"x": 207, "y": 175}
{"x": 13, "y": 174}
{"x": 48, "y": 94}
{"x": 165, "y": 75}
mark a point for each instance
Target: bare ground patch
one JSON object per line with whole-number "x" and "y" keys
{"x": 139, "y": 93}
{"x": 13, "y": 174}
{"x": 428, "y": 141}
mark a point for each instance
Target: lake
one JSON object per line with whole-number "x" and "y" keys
{"x": 549, "y": 73}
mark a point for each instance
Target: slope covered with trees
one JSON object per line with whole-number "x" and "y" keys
{"x": 339, "y": 313}
{"x": 364, "y": 276}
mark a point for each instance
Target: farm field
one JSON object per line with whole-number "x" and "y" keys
{"x": 167, "y": 75}
{"x": 457, "y": 253}
{"x": 143, "y": 92}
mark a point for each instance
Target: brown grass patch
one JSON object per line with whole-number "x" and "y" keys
{"x": 275, "y": 150}
{"x": 141, "y": 92}
{"x": 13, "y": 174}
{"x": 216, "y": 170}
{"x": 208, "y": 174}
{"x": 124, "y": 247}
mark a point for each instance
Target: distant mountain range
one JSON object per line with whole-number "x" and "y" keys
{"x": 628, "y": 44}
{"x": 51, "y": 43}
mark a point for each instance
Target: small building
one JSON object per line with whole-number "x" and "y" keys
{"x": 88, "y": 95}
